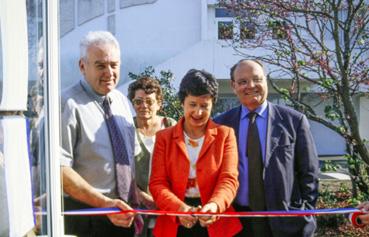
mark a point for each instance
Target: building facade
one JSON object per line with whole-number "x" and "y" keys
{"x": 40, "y": 58}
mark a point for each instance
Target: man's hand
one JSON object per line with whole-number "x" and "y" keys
{"x": 123, "y": 220}
{"x": 210, "y": 207}
{"x": 79, "y": 189}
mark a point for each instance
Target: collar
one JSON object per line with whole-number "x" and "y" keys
{"x": 99, "y": 98}
{"x": 261, "y": 110}
{"x": 211, "y": 128}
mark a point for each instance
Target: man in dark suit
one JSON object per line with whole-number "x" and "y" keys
{"x": 283, "y": 176}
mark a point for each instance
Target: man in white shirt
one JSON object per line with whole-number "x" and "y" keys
{"x": 88, "y": 163}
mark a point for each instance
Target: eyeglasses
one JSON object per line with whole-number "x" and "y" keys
{"x": 139, "y": 102}
{"x": 245, "y": 82}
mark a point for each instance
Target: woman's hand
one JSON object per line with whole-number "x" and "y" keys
{"x": 187, "y": 221}
{"x": 146, "y": 200}
{"x": 210, "y": 207}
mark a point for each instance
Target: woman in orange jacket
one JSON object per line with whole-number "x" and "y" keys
{"x": 195, "y": 165}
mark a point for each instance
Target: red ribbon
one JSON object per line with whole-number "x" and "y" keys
{"x": 315, "y": 212}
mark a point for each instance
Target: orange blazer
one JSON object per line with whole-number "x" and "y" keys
{"x": 216, "y": 173}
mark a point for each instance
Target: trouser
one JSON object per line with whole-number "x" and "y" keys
{"x": 91, "y": 226}
{"x": 253, "y": 226}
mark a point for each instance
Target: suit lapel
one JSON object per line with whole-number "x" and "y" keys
{"x": 274, "y": 132}
{"x": 234, "y": 121}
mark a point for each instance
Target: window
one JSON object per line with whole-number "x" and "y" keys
{"x": 225, "y": 103}
{"x": 279, "y": 29}
{"x": 229, "y": 27}
{"x": 225, "y": 30}
{"x": 247, "y": 30}
{"x": 224, "y": 19}
{"x": 222, "y": 12}
{"x": 25, "y": 136}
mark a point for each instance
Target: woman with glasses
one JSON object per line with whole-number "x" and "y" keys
{"x": 146, "y": 97}
{"x": 195, "y": 166}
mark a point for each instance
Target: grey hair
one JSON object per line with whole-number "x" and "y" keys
{"x": 97, "y": 38}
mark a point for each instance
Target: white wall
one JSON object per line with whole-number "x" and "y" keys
{"x": 148, "y": 34}
{"x": 167, "y": 35}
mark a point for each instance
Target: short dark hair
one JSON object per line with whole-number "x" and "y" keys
{"x": 196, "y": 83}
{"x": 233, "y": 68}
{"x": 148, "y": 84}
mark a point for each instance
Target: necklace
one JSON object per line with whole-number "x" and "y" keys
{"x": 192, "y": 142}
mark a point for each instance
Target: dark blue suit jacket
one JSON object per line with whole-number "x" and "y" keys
{"x": 290, "y": 169}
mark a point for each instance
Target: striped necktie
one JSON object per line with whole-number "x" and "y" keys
{"x": 117, "y": 141}
{"x": 126, "y": 185}
{"x": 123, "y": 169}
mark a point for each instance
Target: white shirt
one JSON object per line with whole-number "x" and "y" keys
{"x": 86, "y": 142}
{"x": 193, "y": 155}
